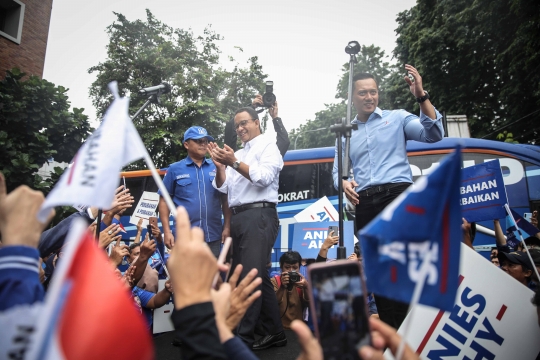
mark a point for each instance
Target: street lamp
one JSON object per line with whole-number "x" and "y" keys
{"x": 300, "y": 133}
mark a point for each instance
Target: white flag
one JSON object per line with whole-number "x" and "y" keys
{"x": 93, "y": 175}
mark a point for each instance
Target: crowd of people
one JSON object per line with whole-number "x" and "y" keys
{"x": 234, "y": 193}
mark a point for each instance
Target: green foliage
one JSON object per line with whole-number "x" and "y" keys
{"x": 506, "y": 137}
{"x": 477, "y": 58}
{"x": 146, "y": 53}
{"x": 35, "y": 125}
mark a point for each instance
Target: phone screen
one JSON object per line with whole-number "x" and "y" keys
{"x": 339, "y": 305}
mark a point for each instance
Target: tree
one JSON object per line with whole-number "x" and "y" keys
{"x": 477, "y": 58}
{"x": 146, "y": 53}
{"x": 371, "y": 59}
{"x": 36, "y": 125}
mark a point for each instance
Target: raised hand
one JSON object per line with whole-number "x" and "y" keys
{"x": 118, "y": 252}
{"x": 415, "y": 86}
{"x": 243, "y": 295}
{"x": 148, "y": 247}
{"x": 18, "y": 215}
{"x": 109, "y": 235}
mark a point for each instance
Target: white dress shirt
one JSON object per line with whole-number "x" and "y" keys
{"x": 265, "y": 163}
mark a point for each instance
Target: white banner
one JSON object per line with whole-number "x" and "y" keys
{"x": 162, "y": 315}
{"x": 493, "y": 318}
{"x": 145, "y": 209}
{"x": 321, "y": 210}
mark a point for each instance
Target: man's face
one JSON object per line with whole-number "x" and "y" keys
{"x": 366, "y": 96}
{"x": 517, "y": 271}
{"x": 196, "y": 148}
{"x": 246, "y": 127}
{"x": 290, "y": 267}
{"x": 495, "y": 261}
{"x": 134, "y": 254}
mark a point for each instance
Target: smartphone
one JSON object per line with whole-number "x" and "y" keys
{"x": 149, "y": 229}
{"x": 153, "y": 220}
{"x": 225, "y": 257}
{"x": 527, "y": 216}
{"x": 338, "y": 304}
{"x": 336, "y": 230}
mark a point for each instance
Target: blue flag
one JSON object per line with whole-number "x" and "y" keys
{"x": 526, "y": 229}
{"x": 426, "y": 217}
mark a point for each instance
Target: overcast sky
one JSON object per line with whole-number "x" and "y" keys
{"x": 300, "y": 43}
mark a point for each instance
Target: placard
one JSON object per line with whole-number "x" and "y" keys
{"x": 145, "y": 209}
{"x": 308, "y": 238}
{"x": 321, "y": 210}
{"x": 493, "y": 318}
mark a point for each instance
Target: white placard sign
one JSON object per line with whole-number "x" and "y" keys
{"x": 493, "y": 318}
{"x": 162, "y": 315}
{"x": 145, "y": 209}
{"x": 321, "y": 210}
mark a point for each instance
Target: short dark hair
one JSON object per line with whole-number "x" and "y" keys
{"x": 290, "y": 257}
{"x": 249, "y": 110}
{"x": 532, "y": 241}
{"x": 364, "y": 76}
{"x": 133, "y": 246}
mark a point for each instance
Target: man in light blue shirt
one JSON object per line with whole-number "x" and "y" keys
{"x": 379, "y": 161}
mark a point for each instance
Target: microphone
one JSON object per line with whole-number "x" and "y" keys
{"x": 162, "y": 88}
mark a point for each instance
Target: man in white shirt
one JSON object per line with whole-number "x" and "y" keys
{"x": 250, "y": 177}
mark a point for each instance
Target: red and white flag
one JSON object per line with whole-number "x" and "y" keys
{"x": 88, "y": 313}
{"x": 92, "y": 176}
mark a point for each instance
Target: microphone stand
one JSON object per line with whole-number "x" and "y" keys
{"x": 343, "y": 129}
{"x": 152, "y": 99}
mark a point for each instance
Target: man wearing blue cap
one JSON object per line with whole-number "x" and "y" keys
{"x": 189, "y": 182}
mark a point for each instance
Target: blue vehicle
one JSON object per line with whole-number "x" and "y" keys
{"x": 307, "y": 177}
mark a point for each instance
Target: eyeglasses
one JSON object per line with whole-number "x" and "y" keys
{"x": 242, "y": 123}
{"x": 203, "y": 141}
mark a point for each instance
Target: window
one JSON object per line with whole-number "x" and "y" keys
{"x": 11, "y": 19}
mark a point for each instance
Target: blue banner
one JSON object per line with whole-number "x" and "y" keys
{"x": 526, "y": 229}
{"x": 309, "y": 236}
{"x": 483, "y": 194}
{"x": 425, "y": 218}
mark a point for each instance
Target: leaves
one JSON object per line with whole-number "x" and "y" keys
{"x": 146, "y": 53}
{"x": 36, "y": 125}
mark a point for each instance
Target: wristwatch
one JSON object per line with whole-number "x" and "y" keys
{"x": 423, "y": 98}
{"x": 236, "y": 165}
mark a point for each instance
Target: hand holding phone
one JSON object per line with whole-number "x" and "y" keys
{"x": 339, "y": 308}
{"x": 224, "y": 257}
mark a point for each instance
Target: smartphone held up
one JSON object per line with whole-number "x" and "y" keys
{"x": 339, "y": 308}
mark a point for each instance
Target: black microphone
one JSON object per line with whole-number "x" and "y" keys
{"x": 163, "y": 88}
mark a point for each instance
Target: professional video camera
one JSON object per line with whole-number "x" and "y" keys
{"x": 269, "y": 98}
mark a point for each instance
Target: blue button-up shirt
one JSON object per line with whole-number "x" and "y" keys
{"x": 378, "y": 152}
{"x": 191, "y": 186}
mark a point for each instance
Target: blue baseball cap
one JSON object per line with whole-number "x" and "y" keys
{"x": 197, "y": 132}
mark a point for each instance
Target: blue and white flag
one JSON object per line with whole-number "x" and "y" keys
{"x": 524, "y": 229}
{"x": 482, "y": 190}
{"x": 425, "y": 218}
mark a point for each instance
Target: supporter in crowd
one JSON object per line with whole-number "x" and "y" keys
{"x": 330, "y": 241}
{"x": 292, "y": 295}
{"x": 495, "y": 261}
{"x": 469, "y": 233}
{"x": 372, "y": 306}
{"x": 150, "y": 300}
{"x": 518, "y": 265}
{"x": 189, "y": 183}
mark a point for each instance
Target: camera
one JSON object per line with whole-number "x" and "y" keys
{"x": 294, "y": 277}
{"x": 269, "y": 98}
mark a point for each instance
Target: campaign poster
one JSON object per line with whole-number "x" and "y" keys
{"x": 493, "y": 318}
{"x": 482, "y": 192}
{"x": 308, "y": 238}
{"x": 145, "y": 209}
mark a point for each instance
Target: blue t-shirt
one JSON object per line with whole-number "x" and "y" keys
{"x": 144, "y": 296}
{"x": 191, "y": 186}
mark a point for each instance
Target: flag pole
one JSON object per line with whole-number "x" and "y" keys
{"x": 98, "y": 223}
{"x": 418, "y": 288}
{"x": 535, "y": 270}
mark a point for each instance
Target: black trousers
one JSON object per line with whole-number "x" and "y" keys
{"x": 254, "y": 233}
{"x": 390, "y": 311}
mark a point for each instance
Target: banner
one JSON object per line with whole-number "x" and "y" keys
{"x": 493, "y": 318}
{"x": 482, "y": 190}
{"x": 92, "y": 177}
{"x": 321, "y": 210}
{"x": 145, "y": 209}
{"x": 425, "y": 218}
{"x": 309, "y": 237}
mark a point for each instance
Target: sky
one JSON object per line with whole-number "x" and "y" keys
{"x": 300, "y": 44}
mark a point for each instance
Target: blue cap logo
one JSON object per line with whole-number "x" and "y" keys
{"x": 197, "y": 132}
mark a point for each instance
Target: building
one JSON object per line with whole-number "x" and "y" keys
{"x": 24, "y": 29}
